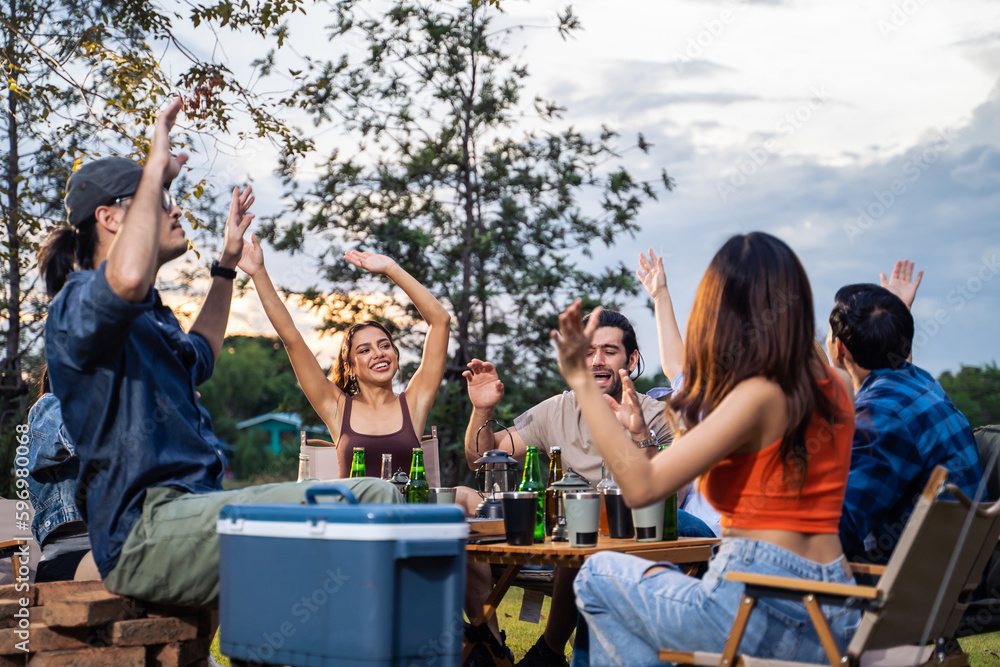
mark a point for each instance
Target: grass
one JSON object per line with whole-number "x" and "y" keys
{"x": 983, "y": 650}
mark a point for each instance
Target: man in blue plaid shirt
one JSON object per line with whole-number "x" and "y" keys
{"x": 905, "y": 423}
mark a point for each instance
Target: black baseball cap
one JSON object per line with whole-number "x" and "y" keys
{"x": 99, "y": 183}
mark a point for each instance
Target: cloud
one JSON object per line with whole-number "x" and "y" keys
{"x": 979, "y": 171}
{"x": 935, "y": 203}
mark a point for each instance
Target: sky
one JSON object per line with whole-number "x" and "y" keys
{"x": 858, "y": 132}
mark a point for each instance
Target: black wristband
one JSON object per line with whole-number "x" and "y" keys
{"x": 222, "y": 272}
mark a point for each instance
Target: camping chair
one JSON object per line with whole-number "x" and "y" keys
{"x": 323, "y": 457}
{"x": 432, "y": 463}
{"x": 919, "y": 599}
{"x": 982, "y": 614}
{"x": 13, "y": 534}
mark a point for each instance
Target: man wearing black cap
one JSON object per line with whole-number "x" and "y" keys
{"x": 126, "y": 375}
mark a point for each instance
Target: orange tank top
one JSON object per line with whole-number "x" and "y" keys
{"x": 750, "y": 492}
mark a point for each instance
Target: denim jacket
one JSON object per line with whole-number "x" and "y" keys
{"x": 126, "y": 376}
{"x": 53, "y": 468}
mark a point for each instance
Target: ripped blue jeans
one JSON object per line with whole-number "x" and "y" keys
{"x": 631, "y": 617}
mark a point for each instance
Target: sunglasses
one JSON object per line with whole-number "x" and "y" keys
{"x": 167, "y": 201}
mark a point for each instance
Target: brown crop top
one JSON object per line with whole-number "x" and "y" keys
{"x": 749, "y": 490}
{"x": 400, "y": 444}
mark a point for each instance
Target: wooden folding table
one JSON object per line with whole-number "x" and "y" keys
{"x": 561, "y": 554}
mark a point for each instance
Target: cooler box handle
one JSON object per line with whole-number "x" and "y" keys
{"x": 330, "y": 490}
{"x": 428, "y": 548}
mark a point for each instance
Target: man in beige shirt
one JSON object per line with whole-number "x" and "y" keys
{"x": 557, "y": 422}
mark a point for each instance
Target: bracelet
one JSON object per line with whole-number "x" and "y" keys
{"x": 222, "y": 272}
{"x": 648, "y": 442}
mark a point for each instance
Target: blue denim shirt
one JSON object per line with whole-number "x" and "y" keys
{"x": 125, "y": 375}
{"x": 52, "y": 469}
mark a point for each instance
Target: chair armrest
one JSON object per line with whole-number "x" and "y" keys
{"x": 867, "y": 568}
{"x": 10, "y": 547}
{"x": 804, "y": 585}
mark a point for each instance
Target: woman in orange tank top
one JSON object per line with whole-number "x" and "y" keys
{"x": 769, "y": 427}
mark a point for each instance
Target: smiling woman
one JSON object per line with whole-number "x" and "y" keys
{"x": 357, "y": 403}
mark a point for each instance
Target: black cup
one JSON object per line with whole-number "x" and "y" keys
{"x": 519, "y": 509}
{"x": 620, "y": 524}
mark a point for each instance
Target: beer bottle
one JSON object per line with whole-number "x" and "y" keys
{"x": 551, "y": 503}
{"x": 607, "y": 482}
{"x": 303, "y": 467}
{"x": 417, "y": 488}
{"x": 358, "y": 462}
{"x": 669, "y": 514}
{"x": 303, "y": 458}
{"x": 532, "y": 481}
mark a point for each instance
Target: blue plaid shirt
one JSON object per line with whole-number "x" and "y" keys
{"x": 905, "y": 426}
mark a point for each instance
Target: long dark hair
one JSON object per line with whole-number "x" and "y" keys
{"x": 66, "y": 250}
{"x": 340, "y": 372}
{"x": 753, "y": 316}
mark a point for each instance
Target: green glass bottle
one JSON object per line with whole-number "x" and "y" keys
{"x": 532, "y": 481}
{"x": 417, "y": 488}
{"x": 358, "y": 462}
{"x": 669, "y": 514}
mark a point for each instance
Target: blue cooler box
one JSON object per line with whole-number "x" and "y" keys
{"x": 342, "y": 583}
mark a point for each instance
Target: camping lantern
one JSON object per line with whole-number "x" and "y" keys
{"x": 496, "y": 473}
{"x": 572, "y": 482}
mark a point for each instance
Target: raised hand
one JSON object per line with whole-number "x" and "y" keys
{"x": 237, "y": 223}
{"x": 159, "y": 146}
{"x": 901, "y": 282}
{"x": 252, "y": 259}
{"x": 370, "y": 261}
{"x": 651, "y": 273}
{"x": 573, "y": 341}
{"x": 629, "y": 411}
{"x": 485, "y": 387}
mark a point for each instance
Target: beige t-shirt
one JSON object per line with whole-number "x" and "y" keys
{"x": 558, "y": 422}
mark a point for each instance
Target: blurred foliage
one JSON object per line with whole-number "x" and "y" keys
{"x": 253, "y": 377}
{"x": 437, "y": 170}
{"x": 82, "y": 80}
{"x": 647, "y": 382}
{"x": 975, "y": 392}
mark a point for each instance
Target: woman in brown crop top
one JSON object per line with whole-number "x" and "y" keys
{"x": 753, "y": 391}
{"x": 357, "y": 402}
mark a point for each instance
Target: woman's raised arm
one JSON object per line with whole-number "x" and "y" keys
{"x": 654, "y": 279}
{"x": 322, "y": 394}
{"x": 423, "y": 386}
